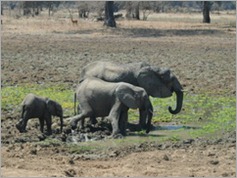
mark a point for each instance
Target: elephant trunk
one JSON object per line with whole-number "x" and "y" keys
{"x": 21, "y": 125}
{"x": 179, "y": 103}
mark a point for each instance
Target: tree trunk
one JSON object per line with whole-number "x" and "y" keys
{"x": 206, "y": 12}
{"x": 137, "y": 14}
{"x": 109, "y": 14}
{"x": 128, "y": 10}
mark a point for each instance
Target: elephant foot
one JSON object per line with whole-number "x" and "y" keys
{"x": 58, "y": 131}
{"x": 20, "y": 129}
{"x": 41, "y": 137}
{"x": 48, "y": 133}
{"x": 23, "y": 131}
{"x": 18, "y": 126}
{"x": 93, "y": 121}
{"x": 73, "y": 125}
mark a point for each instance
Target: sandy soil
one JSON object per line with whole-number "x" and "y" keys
{"x": 193, "y": 161}
{"x": 53, "y": 51}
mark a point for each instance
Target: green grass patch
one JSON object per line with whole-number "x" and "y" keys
{"x": 212, "y": 113}
{"x": 12, "y": 96}
{"x": 77, "y": 149}
{"x": 49, "y": 142}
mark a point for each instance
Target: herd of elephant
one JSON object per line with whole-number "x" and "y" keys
{"x": 108, "y": 89}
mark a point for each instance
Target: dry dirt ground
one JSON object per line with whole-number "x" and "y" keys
{"x": 45, "y": 50}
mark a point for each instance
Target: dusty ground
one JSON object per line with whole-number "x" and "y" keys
{"x": 50, "y": 50}
{"x": 197, "y": 159}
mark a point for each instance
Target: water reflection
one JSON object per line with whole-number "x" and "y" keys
{"x": 175, "y": 127}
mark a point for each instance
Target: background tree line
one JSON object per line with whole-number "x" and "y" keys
{"x": 105, "y": 10}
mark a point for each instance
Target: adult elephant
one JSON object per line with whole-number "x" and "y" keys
{"x": 158, "y": 82}
{"x": 38, "y": 107}
{"x": 99, "y": 98}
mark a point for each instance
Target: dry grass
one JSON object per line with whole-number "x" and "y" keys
{"x": 178, "y": 41}
{"x": 60, "y": 23}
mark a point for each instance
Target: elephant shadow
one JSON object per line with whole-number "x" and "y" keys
{"x": 135, "y": 130}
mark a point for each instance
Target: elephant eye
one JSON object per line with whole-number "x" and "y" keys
{"x": 136, "y": 95}
{"x": 162, "y": 77}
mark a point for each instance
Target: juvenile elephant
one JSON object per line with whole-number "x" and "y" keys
{"x": 157, "y": 82}
{"x": 43, "y": 108}
{"x": 98, "y": 98}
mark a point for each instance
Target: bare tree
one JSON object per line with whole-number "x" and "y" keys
{"x": 128, "y": 10}
{"x": 52, "y": 6}
{"x": 109, "y": 14}
{"x": 83, "y": 9}
{"x": 1, "y": 8}
{"x": 206, "y": 12}
{"x": 146, "y": 8}
{"x": 34, "y": 7}
{"x": 136, "y": 14}
{"x": 132, "y": 10}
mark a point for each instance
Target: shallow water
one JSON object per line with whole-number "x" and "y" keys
{"x": 174, "y": 127}
{"x": 156, "y": 133}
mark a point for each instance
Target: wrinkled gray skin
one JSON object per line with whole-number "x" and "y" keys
{"x": 43, "y": 108}
{"x": 157, "y": 82}
{"x": 99, "y": 98}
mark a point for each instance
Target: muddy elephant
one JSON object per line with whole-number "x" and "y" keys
{"x": 98, "y": 98}
{"x": 38, "y": 107}
{"x": 158, "y": 82}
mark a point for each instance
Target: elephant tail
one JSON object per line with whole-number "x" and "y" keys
{"x": 75, "y": 103}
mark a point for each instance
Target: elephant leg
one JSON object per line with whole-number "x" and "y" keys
{"x": 81, "y": 123}
{"x": 78, "y": 118}
{"x": 21, "y": 126}
{"x": 123, "y": 122}
{"x": 41, "y": 120}
{"x": 49, "y": 123}
{"x": 114, "y": 117}
{"x": 142, "y": 119}
{"x": 93, "y": 120}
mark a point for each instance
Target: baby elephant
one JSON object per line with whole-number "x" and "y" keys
{"x": 98, "y": 98}
{"x": 43, "y": 108}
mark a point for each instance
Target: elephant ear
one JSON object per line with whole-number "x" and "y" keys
{"x": 127, "y": 96}
{"x": 155, "y": 81}
{"x": 163, "y": 73}
{"x": 50, "y": 105}
{"x": 148, "y": 79}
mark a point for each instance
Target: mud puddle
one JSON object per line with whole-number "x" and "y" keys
{"x": 158, "y": 133}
